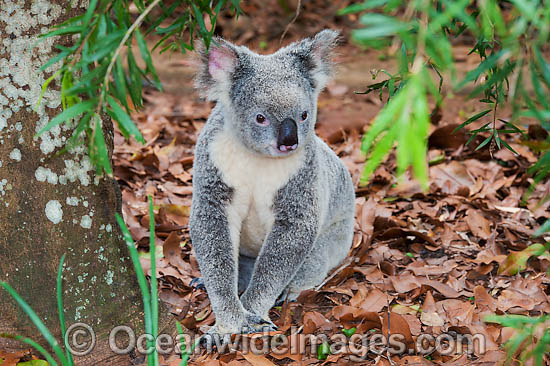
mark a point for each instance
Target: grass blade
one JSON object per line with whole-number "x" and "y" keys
{"x": 30, "y": 342}
{"x": 154, "y": 291}
{"x": 142, "y": 281}
{"x": 37, "y": 322}
{"x": 60, "y": 309}
{"x": 68, "y": 113}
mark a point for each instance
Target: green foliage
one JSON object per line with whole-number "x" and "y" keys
{"x": 532, "y": 337}
{"x": 349, "y": 332}
{"x": 185, "y": 355}
{"x": 422, "y": 32}
{"x": 97, "y": 80}
{"x": 150, "y": 296}
{"x": 323, "y": 351}
{"x": 517, "y": 261}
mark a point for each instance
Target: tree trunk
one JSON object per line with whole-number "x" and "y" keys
{"x": 52, "y": 205}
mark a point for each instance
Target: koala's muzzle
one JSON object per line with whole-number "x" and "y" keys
{"x": 287, "y": 140}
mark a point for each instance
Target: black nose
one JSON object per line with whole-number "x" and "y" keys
{"x": 288, "y": 135}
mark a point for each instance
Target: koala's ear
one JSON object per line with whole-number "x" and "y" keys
{"x": 316, "y": 54}
{"x": 216, "y": 68}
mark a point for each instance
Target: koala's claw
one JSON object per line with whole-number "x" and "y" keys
{"x": 197, "y": 283}
{"x": 281, "y": 301}
{"x": 256, "y": 324}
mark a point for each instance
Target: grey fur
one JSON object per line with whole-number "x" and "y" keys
{"x": 311, "y": 210}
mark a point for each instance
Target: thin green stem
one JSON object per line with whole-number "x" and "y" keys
{"x": 61, "y": 311}
{"x": 154, "y": 287}
{"x": 129, "y": 32}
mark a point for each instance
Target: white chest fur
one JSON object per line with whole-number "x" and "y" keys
{"x": 255, "y": 180}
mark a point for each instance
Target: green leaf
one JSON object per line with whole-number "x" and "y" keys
{"x": 482, "y": 68}
{"x": 517, "y": 261}
{"x": 45, "y": 86}
{"x": 134, "y": 85}
{"x": 104, "y": 47}
{"x": 33, "y": 363}
{"x": 69, "y": 113}
{"x": 200, "y": 21}
{"x": 65, "y": 52}
{"x": 33, "y": 344}
{"x": 543, "y": 229}
{"x": 323, "y": 351}
{"x": 379, "y": 26}
{"x": 97, "y": 148}
{"x": 89, "y": 13}
{"x": 485, "y": 142}
{"x": 124, "y": 121}
{"x": 147, "y": 58}
{"x": 542, "y": 66}
{"x": 474, "y": 118}
{"x": 120, "y": 82}
{"x": 349, "y": 332}
{"x": 142, "y": 280}
{"x": 356, "y": 8}
{"x": 74, "y": 29}
{"x": 418, "y": 138}
{"x": 380, "y": 151}
{"x": 383, "y": 120}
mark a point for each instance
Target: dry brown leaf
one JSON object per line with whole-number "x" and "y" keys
{"x": 398, "y": 325}
{"x": 429, "y": 315}
{"x": 257, "y": 360}
{"x": 485, "y": 303}
{"x": 452, "y": 178}
{"x": 313, "y": 320}
{"x": 478, "y": 224}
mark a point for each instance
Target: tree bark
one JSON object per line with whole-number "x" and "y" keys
{"x": 52, "y": 205}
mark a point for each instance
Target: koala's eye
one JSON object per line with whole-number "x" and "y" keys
{"x": 304, "y": 115}
{"x": 260, "y": 118}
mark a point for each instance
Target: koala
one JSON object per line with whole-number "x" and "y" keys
{"x": 273, "y": 206}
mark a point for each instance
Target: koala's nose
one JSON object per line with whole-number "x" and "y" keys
{"x": 288, "y": 135}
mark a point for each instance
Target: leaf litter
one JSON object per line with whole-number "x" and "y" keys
{"x": 434, "y": 262}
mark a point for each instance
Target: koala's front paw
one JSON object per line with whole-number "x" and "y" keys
{"x": 255, "y": 324}
{"x": 250, "y": 323}
{"x": 197, "y": 283}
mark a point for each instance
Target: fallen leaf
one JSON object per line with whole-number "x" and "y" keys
{"x": 398, "y": 325}
{"x": 478, "y": 224}
{"x": 429, "y": 315}
{"x": 517, "y": 261}
{"x": 257, "y": 360}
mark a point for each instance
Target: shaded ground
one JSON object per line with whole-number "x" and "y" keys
{"x": 433, "y": 257}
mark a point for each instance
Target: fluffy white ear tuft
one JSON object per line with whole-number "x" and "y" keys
{"x": 316, "y": 55}
{"x": 322, "y": 49}
{"x": 216, "y": 68}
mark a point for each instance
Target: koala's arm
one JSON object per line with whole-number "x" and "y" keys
{"x": 211, "y": 238}
{"x": 297, "y": 215}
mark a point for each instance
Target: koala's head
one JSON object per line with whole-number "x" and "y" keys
{"x": 269, "y": 100}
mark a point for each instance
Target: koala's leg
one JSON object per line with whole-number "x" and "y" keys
{"x": 246, "y": 267}
{"x": 330, "y": 249}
